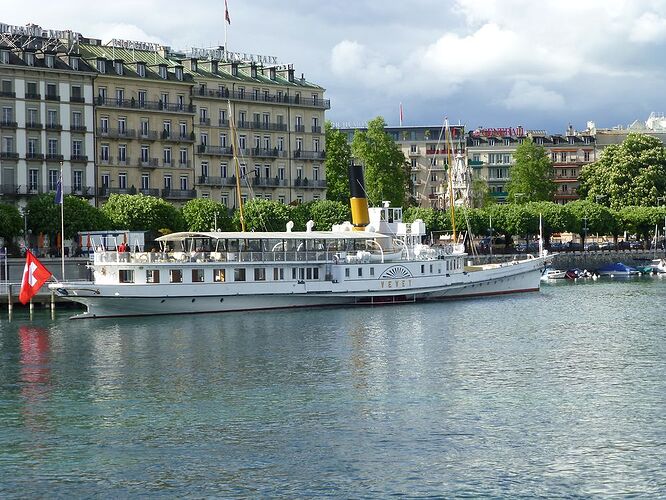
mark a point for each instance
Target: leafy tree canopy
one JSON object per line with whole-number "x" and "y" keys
{"x": 142, "y": 213}
{"x": 385, "y": 166}
{"x": 326, "y": 213}
{"x": 338, "y": 156}
{"x": 11, "y": 222}
{"x": 532, "y": 175}
{"x": 263, "y": 215}
{"x": 43, "y": 215}
{"x": 203, "y": 214}
{"x": 629, "y": 174}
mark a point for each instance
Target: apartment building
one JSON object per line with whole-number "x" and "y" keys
{"x": 47, "y": 121}
{"x": 491, "y": 154}
{"x": 144, "y": 121}
{"x": 263, "y": 116}
{"x": 429, "y": 152}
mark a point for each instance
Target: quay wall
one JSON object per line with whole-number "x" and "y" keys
{"x": 584, "y": 260}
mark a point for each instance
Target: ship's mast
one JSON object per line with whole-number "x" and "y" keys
{"x": 234, "y": 146}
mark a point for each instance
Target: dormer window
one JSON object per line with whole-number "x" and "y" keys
{"x": 539, "y": 140}
{"x": 253, "y": 71}
{"x": 179, "y": 73}
{"x": 48, "y": 60}
{"x": 141, "y": 69}
{"x": 491, "y": 142}
{"x": 30, "y": 58}
{"x": 74, "y": 63}
{"x": 118, "y": 67}
{"x": 4, "y": 56}
{"x": 273, "y": 73}
{"x": 101, "y": 65}
{"x": 163, "y": 72}
{"x": 234, "y": 69}
{"x": 213, "y": 66}
{"x": 571, "y": 140}
{"x": 193, "y": 64}
{"x": 507, "y": 142}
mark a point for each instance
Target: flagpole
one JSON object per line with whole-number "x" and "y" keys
{"x": 62, "y": 226}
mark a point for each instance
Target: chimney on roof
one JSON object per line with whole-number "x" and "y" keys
{"x": 290, "y": 74}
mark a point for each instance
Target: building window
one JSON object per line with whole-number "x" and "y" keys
{"x": 145, "y": 153}
{"x": 33, "y": 180}
{"x": 122, "y": 153}
{"x": 183, "y": 157}
{"x": 145, "y": 181}
{"x": 183, "y": 183}
{"x": 141, "y": 69}
{"x": 4, "y": 56}
{"x": 259, "y": 274}
{"x": 53, "y": 179}
{"x": 78, "y": 181}
{"x": 104, "y": 125}
{"x": 163, "y": 72}
{"x": 204, "y": 169}
{"x": 77, "y": 148}
{"x": 49, "y": 60}
{"x": 118, "y": 67}
{"x": 167, "y": 182}
{"x": 101, "y": 65}
{"x": 167, "y": 156}
{"x": 104, "y": 153}
{"x": 122, "y": 180}
{"x": 105, "y": 180}
{"x": 52, "y": 147}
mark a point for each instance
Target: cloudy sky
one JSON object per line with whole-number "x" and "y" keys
{"x": 492, "y": 63}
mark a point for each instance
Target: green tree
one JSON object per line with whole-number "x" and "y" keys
{"x": 385, "y": 166}
{"x": 203, "y": 214}
{"x": 590, "y": 218}
{"x": 435, "y": 220}
{"x": 532, "y": 175}
{"x": 142, "y": 213}
{"x": 480, "y": 193}
{"x": 338, "y": 156}
{"x": 11, "y": 222}
{"x": 43, "y": 216}
{"x": 554, "y": 218}
{"x": 263, "y": 215}
{"x": 642, "y": 220}
{"x": 629, "y": 174}
{"x": 326, "y": 213}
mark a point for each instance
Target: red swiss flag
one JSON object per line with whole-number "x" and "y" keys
{"x": 34, "y": 276}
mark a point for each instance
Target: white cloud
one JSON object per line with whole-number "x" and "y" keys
{"x": 526, "y": 96}
{"x": 648, "y": 28}
{"x": 355, "y": 62}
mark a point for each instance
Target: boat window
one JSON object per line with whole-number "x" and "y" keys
{"x": 308, "y": 273}
{"x": 259, "y": 274}
{"x": 278, "y": 274}
{"x": 197, "y": 275}
{"x": 315, "y": 273}
{"x": 372, "y": 271}
{"x": 301, "y": 273}
{"x": 152, "y": 276}
{"x": 175, "y": 276}
{"x": 126, "y": 276}
{"x": 293, "y": 273}
{"x": 430, "y": 268}
{"x": 422, "y": 269}
{"x": 218, "y": 275}
{"x": 239, "y": 274}
{"x": 346, "y": 272}
{"x": 360, "y": 272}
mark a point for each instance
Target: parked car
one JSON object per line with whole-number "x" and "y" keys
{"x": 573, "y": 246}
{"x": 591, "y": 246}
{"x": 607, "y": 245}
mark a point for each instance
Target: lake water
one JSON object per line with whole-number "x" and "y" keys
{"x": 557, "y": 393}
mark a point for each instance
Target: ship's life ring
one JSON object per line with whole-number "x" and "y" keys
{"x": 143, "y": 258}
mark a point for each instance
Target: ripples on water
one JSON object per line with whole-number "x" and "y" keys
{"x": 561, "y": 393}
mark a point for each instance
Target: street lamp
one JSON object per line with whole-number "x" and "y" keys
{"x": 516, "y": 197}
{"x": 584, "y": 231}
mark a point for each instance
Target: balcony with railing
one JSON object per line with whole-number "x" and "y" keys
{"x": 105, "y": 160}
{"x": 53, "y": 126}
{"x": 316, "y": 129}
{"x": 125, "y": 162}
{"x": 216, "y": 181}
{"x": 114, "y": 133}
{"x": 147, "y": 105}
{"x": 299, "y": 128}
{"x": 34, "y": 156}
{"x": 33, "y": 96}
{"x": 307, "y": 183}
{"x": 7, "y": 123}
{"x": 310, "y": 102}
{"x": 54, "y": 157}
{"x": 148, "y": 162}
{"x": 9, "y": 189}
{"x": 8, "y": 155}
{"x": 148, "y": 135}
{"x": 266, "y": 153}
{"x": 309, "y": 155}
{"x": 78, "y": 128}
{"x": 179, "y": 194}
{"x": 7, "y": 93}
{"x": 184, "y": 163}
{"x": 205, "y": 149}
{"x": 33, "y": 125}
{"x": 172, "y": 137}
{"x": 52, "y": 97}
{"x": 77, "y": 98}
{"x": 204, "y": 121}
{"x": 79, "y": 158}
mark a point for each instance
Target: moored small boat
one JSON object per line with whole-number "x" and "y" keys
{"x": 617, "y": 269}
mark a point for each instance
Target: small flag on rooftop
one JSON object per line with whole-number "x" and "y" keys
{"x": 226, "y": 12}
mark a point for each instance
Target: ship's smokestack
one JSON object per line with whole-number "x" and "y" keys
{"x": 357, "y": 200}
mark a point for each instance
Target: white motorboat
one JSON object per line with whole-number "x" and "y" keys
{"x": 553, "y": 274}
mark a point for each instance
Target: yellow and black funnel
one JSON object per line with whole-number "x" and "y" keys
{"x": 357, "y": 200}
